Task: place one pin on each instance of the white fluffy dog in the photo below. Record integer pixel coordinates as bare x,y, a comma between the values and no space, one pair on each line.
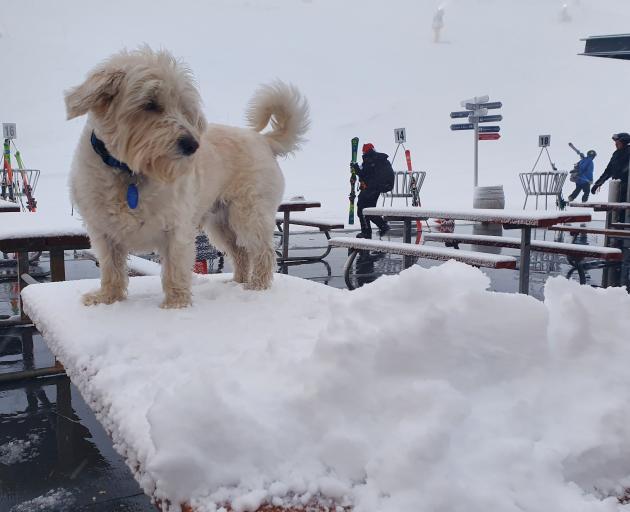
148,171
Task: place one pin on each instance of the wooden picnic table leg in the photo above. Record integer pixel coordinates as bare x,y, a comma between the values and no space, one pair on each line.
57,265
407,240
22,268
285,242
526,245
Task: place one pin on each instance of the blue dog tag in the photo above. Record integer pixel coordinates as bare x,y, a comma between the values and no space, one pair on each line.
132,196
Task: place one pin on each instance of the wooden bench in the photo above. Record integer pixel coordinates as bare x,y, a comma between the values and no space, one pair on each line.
575,253
610,233
477,259
324,226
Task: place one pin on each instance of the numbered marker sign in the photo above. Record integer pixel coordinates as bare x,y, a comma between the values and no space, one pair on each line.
400,135
9,131
544,141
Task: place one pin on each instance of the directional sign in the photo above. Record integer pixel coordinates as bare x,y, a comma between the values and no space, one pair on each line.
474,101
489,129
494,104
491,119
461,113
489,136
463,126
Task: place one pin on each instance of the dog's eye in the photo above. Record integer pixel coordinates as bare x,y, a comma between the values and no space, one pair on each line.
152,106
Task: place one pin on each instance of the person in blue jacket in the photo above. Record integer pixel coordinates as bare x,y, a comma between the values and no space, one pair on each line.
584,177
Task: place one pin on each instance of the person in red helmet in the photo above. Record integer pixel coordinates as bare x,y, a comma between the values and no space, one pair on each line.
375,177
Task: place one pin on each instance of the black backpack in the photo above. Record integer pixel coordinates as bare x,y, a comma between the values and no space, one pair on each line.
388,177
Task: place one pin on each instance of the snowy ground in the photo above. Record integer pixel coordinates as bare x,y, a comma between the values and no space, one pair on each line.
422,391
366,66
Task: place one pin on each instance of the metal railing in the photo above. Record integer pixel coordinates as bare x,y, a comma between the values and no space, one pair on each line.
542,184
402,186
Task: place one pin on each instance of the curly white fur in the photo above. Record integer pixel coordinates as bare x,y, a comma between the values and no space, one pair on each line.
142,104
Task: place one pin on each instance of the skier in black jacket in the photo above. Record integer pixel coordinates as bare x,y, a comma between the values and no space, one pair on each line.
617,168
375,176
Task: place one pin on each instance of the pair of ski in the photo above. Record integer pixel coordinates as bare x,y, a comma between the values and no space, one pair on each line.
413,186
7,177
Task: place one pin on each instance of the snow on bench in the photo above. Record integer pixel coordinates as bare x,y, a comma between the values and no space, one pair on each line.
584,251
38,225
9,206
477,259
307,220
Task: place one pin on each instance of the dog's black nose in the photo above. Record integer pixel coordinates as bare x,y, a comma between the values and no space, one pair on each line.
187,145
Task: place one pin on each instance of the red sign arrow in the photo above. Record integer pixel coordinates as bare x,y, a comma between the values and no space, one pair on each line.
489,136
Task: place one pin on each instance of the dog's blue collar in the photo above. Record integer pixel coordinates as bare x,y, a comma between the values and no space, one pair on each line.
106,156
132,189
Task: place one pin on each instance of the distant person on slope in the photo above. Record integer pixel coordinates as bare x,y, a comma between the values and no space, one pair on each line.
375,176
584,176
617,168
438,24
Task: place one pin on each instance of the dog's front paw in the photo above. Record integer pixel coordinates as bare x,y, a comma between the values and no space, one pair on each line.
176,301
102,297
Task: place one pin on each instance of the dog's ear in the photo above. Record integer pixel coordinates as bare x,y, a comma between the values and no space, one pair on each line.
95,93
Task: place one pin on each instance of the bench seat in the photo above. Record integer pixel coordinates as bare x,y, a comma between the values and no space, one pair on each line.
306,220
477,259
574,230
575,253
584,251
324,226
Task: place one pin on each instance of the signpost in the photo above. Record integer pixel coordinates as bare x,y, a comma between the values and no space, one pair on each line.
476,111
400,135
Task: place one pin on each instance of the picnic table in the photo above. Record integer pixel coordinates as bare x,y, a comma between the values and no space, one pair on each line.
286,207
8,206
510,219
603,206
21,233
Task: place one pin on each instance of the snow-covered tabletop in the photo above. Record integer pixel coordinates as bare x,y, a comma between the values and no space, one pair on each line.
31,225
517,217
419,392
8,206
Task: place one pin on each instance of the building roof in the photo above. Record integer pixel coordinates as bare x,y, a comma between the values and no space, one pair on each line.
612,46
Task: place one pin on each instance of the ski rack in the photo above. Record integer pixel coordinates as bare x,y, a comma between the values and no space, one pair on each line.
403,182
545,184
17,185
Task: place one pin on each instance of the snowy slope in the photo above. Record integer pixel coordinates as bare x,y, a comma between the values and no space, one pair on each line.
366,66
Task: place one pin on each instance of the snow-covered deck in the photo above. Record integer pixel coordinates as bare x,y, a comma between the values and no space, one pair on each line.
421,391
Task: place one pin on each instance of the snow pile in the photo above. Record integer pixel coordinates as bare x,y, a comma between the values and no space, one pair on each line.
56,500
19,450
422,391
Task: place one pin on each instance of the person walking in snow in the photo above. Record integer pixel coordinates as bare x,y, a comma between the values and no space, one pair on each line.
617,168
438,24
375,176
584,176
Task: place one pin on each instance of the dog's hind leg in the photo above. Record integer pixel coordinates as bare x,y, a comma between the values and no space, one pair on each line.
112,260
255,238
177,256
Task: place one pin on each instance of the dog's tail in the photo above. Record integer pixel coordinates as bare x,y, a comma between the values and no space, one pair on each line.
288,112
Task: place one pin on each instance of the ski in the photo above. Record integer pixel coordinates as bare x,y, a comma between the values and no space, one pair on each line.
8,172
31,203
354,143
576,150
413,188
